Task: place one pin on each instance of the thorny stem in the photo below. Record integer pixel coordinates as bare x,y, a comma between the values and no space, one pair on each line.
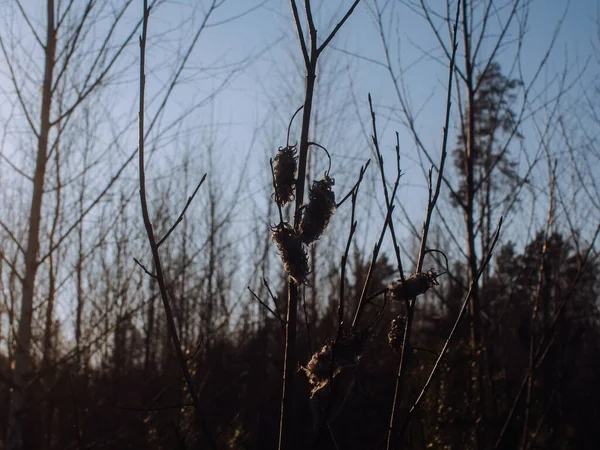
154,245
432,200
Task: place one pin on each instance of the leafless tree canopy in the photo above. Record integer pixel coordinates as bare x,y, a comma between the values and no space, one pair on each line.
304,225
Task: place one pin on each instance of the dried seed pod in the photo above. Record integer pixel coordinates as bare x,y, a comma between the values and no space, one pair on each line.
416,284
332,358
396,334
284,171
291,250
316,215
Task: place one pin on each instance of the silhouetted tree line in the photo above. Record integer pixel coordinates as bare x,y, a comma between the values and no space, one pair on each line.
136,401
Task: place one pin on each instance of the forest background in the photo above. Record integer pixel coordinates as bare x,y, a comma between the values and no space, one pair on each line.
479,144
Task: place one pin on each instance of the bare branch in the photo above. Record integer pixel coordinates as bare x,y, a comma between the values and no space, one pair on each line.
460,315
298,23
268,308
180,218
13,78
143,267
338,26
154,247
433,200
29,24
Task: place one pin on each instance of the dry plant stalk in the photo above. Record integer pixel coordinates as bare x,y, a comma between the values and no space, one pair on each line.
284,171
311,50
412,286
332,358
320,208
396,333
292,253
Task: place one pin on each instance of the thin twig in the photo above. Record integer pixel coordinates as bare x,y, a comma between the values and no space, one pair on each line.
143,267
347,196
388,201
180,218
265,282
534,310
154,247
431,204
386,223
338,26
455,326
328,155
376,248
195,352
287,141
353,225
432,200
267,307
298,23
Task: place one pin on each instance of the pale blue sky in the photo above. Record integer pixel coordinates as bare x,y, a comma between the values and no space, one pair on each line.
259,99
247,121
268,91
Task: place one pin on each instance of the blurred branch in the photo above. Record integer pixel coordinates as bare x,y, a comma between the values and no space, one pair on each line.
268,308
154,246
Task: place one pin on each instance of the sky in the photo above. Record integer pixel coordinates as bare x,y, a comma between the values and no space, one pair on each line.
252,48
270,87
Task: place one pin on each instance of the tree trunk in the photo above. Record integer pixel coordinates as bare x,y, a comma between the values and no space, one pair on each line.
474,302
22,357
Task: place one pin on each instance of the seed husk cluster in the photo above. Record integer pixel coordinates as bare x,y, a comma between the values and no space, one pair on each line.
291,251
414,285
334,357
320,208
284,170
396,333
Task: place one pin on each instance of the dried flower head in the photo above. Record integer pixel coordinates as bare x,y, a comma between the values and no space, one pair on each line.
396,334
316,215
291,250
332,358
415,284
284,171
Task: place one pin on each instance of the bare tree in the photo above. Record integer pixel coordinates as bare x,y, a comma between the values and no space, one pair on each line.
85,52
492,108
